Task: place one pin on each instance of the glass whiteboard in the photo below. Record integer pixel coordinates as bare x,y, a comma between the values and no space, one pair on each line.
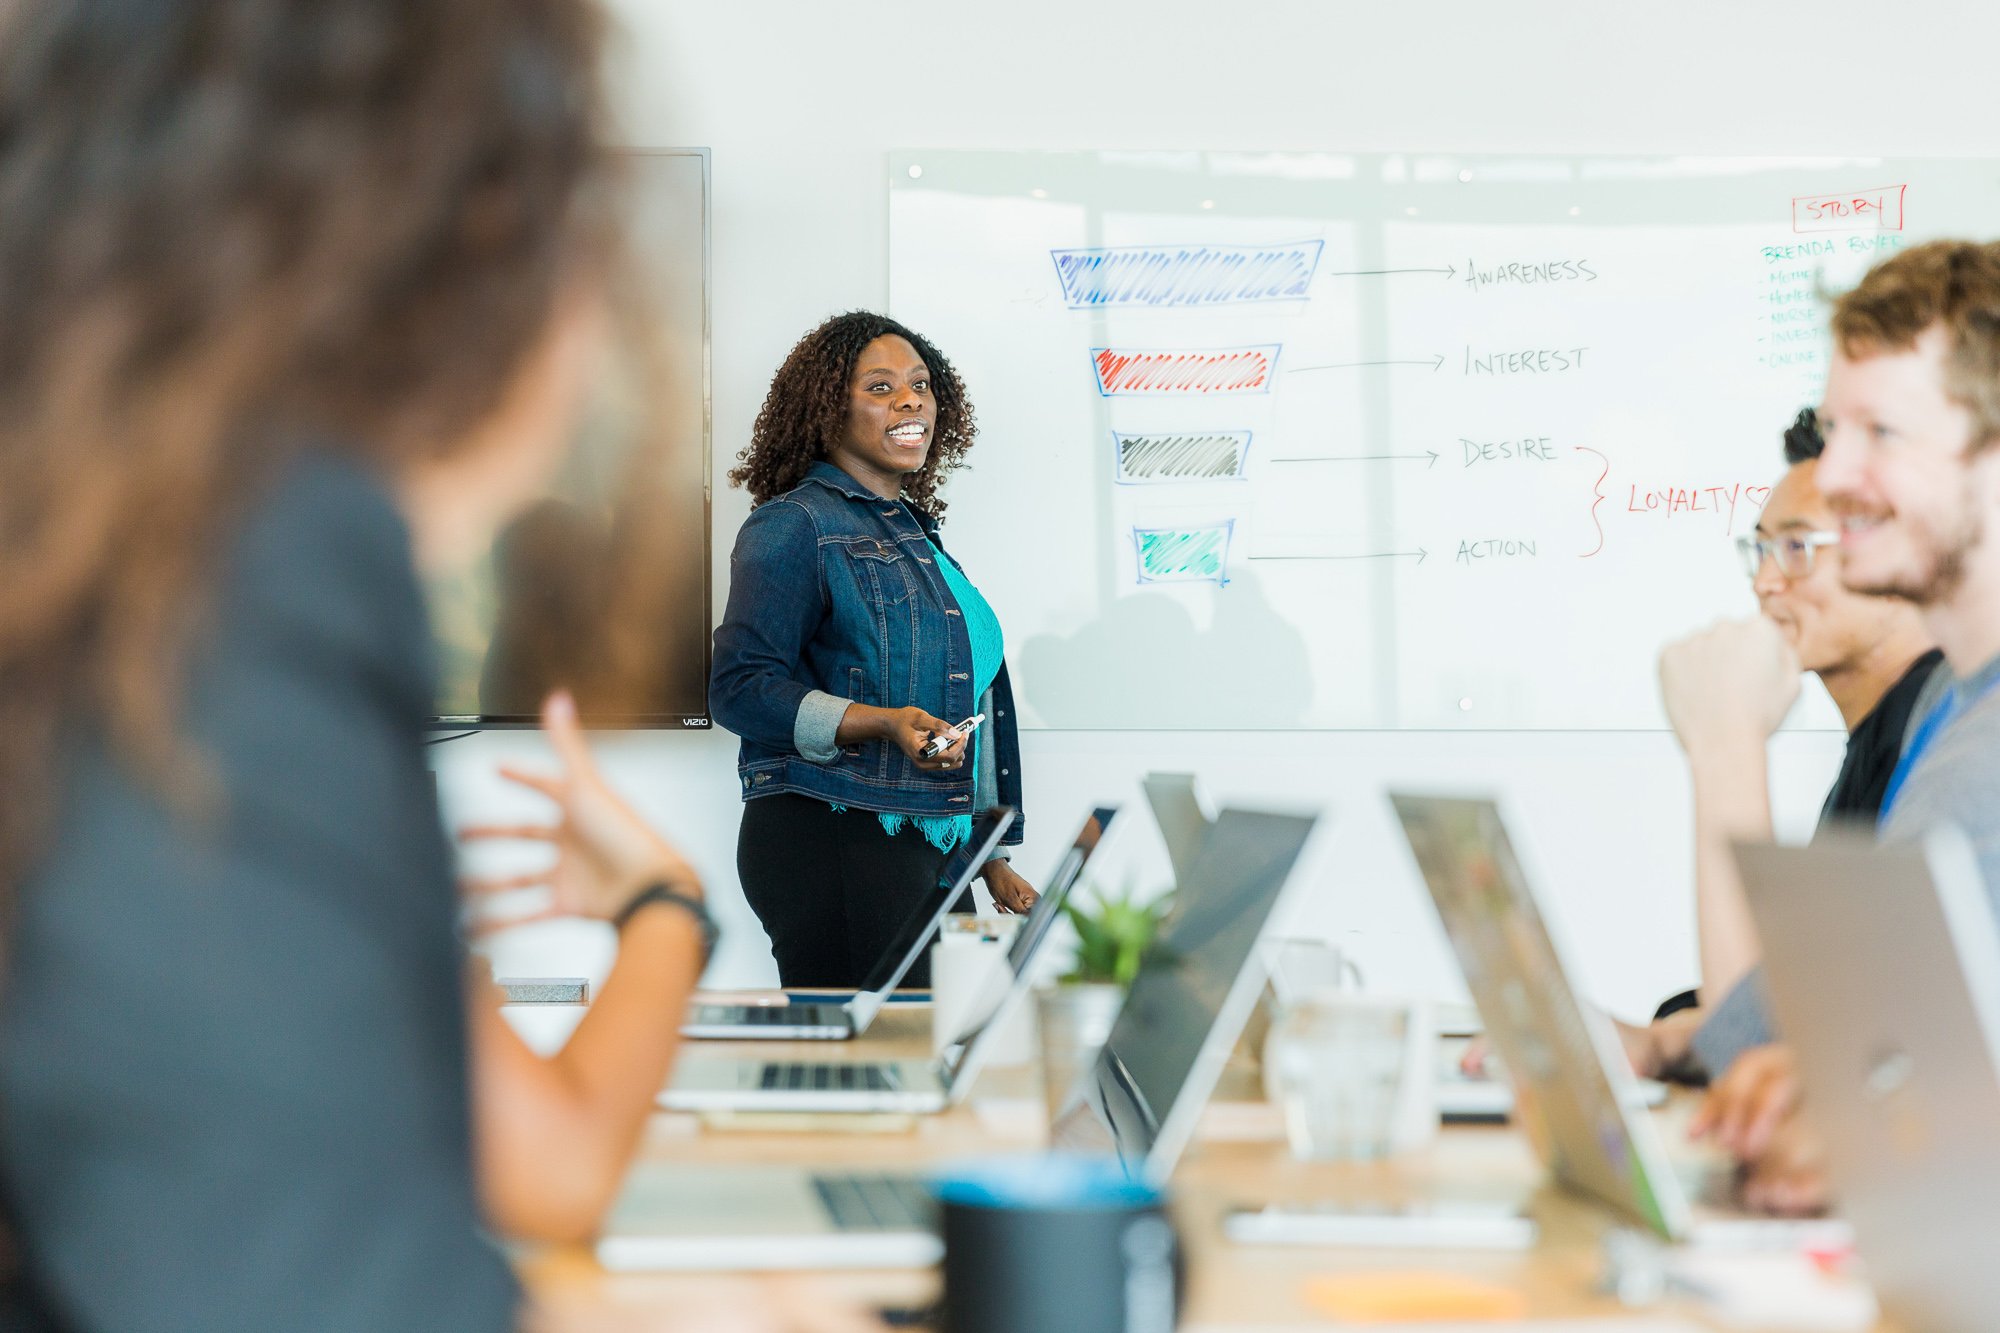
1290,440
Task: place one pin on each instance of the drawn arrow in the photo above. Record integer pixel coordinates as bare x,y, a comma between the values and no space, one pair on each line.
1433,363
1419,553
1449,273
1431,454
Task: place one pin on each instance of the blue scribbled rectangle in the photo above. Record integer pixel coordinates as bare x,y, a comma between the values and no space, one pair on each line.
1179,277
1193,554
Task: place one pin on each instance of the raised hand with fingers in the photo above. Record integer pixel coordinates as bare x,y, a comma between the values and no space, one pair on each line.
555,1133
605,854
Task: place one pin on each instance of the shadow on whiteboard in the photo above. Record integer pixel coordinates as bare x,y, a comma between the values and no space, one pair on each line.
1144,664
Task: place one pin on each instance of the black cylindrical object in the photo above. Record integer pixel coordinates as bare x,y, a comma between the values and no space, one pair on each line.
1081,1250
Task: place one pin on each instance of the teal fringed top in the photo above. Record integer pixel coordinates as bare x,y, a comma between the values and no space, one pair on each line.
945,832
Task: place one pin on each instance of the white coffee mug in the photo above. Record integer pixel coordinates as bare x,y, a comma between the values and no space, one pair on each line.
969,978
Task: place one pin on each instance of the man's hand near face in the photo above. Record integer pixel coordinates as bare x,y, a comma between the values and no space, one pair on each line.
1729,686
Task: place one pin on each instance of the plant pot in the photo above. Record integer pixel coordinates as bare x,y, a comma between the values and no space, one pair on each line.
1073,1020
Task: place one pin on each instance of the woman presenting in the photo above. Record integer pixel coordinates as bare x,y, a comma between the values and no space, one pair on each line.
850,641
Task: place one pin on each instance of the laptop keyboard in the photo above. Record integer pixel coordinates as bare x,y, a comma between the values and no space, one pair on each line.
876,1203
828,1078
773,1015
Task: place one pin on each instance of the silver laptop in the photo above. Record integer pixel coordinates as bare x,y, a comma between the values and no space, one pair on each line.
1187,1005
1571,1080
712,1083
1173,1039
796,1021
1184,815
1883,966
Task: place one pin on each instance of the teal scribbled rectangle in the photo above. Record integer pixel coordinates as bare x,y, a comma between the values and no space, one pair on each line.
1184,555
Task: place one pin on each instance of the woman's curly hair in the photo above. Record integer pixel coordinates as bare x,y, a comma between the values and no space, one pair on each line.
805,413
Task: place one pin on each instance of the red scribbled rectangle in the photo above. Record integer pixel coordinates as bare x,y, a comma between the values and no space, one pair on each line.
1195,372
1878,209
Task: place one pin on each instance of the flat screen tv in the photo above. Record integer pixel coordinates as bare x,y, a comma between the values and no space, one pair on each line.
603,586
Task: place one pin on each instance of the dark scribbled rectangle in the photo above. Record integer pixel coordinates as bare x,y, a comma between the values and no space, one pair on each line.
1219,455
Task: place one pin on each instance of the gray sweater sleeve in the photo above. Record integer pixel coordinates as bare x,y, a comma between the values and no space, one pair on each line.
817,725
1741,1021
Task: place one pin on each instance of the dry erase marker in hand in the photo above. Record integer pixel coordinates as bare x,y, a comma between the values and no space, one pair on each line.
936,745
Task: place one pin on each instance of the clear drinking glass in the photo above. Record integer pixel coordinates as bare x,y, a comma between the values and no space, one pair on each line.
1335,1064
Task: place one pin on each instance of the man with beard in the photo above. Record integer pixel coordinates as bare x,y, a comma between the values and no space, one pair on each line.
1911,470
1727,689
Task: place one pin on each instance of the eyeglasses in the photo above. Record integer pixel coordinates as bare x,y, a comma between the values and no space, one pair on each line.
1793,552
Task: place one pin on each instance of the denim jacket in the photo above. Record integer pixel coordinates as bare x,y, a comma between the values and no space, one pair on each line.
835,598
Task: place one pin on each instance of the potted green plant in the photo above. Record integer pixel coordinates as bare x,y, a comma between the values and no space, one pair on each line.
1075,1015
1111,936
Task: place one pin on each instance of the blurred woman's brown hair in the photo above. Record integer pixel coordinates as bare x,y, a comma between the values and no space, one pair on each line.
229,227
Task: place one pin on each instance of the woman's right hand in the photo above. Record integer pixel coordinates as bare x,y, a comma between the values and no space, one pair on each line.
908,729
605,853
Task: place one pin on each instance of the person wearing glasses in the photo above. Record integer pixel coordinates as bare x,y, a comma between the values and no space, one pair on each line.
1729,687
1912,470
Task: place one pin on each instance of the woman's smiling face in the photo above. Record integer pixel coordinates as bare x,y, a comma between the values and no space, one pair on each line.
891,416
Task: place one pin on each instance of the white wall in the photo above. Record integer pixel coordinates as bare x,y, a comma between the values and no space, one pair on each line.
801,102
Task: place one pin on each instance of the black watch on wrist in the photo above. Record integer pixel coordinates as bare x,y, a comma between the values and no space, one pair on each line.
663,892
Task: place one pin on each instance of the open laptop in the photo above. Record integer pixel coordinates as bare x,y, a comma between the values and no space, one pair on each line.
798,1021
1170,1043
709,1083
1883,966
1583,1107
1196,985
1184,815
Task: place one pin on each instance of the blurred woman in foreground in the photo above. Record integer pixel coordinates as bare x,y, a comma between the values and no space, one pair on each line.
298,300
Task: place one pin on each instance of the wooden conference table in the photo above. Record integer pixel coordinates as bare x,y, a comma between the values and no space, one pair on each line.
1238,1157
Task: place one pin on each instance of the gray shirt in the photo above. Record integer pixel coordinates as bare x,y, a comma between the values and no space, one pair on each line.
233,1089
1956,780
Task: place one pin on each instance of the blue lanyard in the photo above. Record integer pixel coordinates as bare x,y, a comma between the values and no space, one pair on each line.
1942,714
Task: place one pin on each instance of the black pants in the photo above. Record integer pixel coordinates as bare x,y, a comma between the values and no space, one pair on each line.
833,890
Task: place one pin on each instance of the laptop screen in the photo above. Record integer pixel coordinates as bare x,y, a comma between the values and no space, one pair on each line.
1049,906
1183,817
1194,989
1028,939
1568,1073
922,923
